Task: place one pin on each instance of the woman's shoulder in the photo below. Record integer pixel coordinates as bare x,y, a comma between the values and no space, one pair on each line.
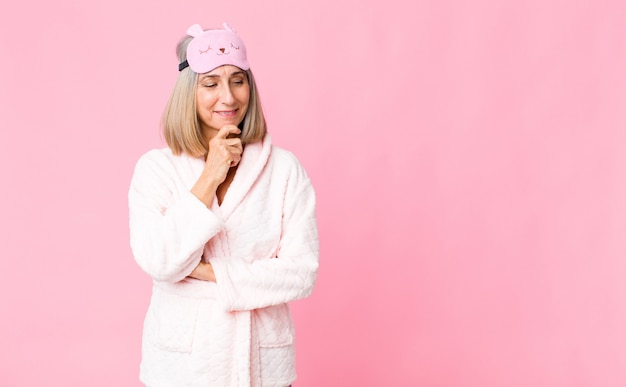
163,160
162,155
156,154
284,156
286,161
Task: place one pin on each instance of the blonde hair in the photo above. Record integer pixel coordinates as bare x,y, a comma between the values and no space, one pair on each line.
181,127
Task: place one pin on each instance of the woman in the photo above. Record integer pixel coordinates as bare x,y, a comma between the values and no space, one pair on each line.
224,223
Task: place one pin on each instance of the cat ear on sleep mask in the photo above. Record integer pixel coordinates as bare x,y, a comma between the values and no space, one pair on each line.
214,48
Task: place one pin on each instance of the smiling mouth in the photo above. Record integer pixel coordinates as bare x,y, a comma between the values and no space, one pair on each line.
227,113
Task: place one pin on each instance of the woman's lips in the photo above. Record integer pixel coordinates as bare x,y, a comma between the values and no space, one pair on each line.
227,113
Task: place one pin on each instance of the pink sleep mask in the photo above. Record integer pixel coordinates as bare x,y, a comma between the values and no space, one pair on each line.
213,48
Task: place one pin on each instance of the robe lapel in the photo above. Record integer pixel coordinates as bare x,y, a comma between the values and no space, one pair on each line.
253,161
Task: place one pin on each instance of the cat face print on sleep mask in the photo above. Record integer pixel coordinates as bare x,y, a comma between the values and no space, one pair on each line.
213,48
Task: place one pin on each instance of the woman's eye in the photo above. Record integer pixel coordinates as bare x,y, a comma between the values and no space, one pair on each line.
210,84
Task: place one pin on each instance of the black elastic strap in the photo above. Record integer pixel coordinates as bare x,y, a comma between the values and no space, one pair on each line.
183,65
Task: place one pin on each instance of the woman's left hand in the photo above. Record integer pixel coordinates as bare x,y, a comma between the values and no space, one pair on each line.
204,271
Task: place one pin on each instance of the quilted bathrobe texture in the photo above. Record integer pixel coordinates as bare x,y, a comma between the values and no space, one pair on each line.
262,242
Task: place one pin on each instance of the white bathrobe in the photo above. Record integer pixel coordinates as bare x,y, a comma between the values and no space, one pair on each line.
263,245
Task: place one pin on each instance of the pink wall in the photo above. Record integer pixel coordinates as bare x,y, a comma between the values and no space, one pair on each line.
470,162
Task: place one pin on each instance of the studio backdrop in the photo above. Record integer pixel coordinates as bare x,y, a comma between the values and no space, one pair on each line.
469,160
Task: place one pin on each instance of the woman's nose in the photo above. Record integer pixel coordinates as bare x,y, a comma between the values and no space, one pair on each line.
227,95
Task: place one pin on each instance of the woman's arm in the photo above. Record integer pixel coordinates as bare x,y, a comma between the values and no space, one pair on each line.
224,154
167,237
247,285
167,233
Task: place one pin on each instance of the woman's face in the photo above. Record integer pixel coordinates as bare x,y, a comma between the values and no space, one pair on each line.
222,98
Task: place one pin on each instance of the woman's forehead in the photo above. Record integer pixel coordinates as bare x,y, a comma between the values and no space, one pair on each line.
225,70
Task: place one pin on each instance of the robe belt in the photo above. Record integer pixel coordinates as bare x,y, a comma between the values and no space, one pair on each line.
242,348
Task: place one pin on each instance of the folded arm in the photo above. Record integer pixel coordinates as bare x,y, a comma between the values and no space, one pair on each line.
245,285
167,234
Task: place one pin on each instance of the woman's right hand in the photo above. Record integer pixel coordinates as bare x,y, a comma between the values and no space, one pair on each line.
224,153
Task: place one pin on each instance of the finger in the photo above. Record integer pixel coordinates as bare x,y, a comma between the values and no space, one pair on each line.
235,132
236,147
235,154
235,141
234,163
227,130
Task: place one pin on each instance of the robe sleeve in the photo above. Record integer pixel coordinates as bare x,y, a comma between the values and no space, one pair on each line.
245,285
167,234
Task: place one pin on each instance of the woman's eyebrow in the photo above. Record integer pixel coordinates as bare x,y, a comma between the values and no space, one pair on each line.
240,72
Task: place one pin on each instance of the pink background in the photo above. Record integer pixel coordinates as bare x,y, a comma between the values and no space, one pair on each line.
469,159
